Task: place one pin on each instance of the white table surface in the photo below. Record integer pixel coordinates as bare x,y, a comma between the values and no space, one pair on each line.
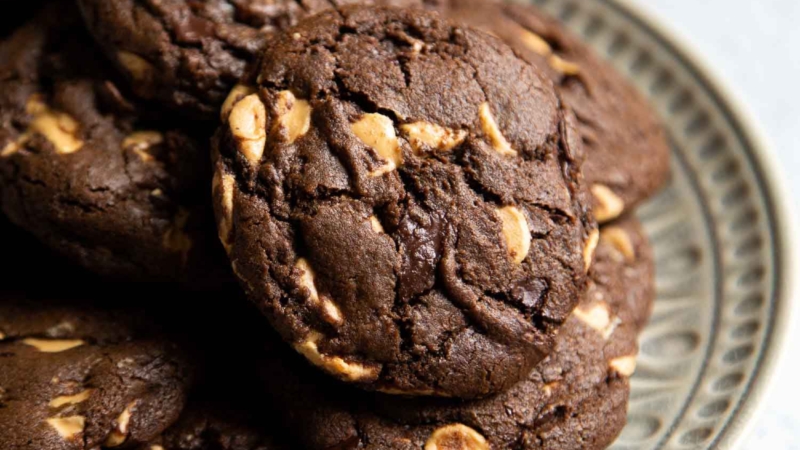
755,47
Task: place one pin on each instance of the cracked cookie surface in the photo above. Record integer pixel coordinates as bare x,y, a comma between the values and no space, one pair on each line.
113,185
401,197
73,377
627,151
574,399
189,54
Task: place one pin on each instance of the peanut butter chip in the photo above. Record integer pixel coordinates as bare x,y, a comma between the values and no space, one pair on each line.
516,233
493,133
377,132
156,447
2,335
599,318
176,239
70,399
424,136
248,124
589,249
333,364
58,127
608,206
535,43
330,312
53,345
564,66
294,117
456,437
141,141
238,92
67,427
376,225
15,146
137,67
620,240
625,365
119,435
35,105
223,185
538,45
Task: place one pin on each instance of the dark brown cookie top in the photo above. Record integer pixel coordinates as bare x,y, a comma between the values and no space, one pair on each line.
108,182
626,146
402,198
574,399
189,54
74,377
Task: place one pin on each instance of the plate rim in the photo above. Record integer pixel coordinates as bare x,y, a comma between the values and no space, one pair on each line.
781,211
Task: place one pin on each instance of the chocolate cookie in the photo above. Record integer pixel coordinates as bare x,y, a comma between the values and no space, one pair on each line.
74,377
626,146
213,426
575,399
618,273
401,196
189,54
110,183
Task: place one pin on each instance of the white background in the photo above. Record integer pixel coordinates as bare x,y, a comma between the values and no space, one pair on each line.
754,46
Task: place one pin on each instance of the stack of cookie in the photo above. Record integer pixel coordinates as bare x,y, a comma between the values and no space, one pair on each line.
244,224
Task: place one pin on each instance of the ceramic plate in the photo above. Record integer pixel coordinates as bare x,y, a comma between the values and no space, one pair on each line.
720,239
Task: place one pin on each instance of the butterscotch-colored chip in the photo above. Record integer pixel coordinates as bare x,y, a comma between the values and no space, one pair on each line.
53,345
223,185
565,67
376,224
15,145
624,365
68,427
377,132
492,131
333,364
535,42
70,399
620,240
119,434
424,136
599,318
516,233
140,141
589,248
139,68
60,129
238,92
330,312
248,124
35,105
293,117
456,437
608,206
